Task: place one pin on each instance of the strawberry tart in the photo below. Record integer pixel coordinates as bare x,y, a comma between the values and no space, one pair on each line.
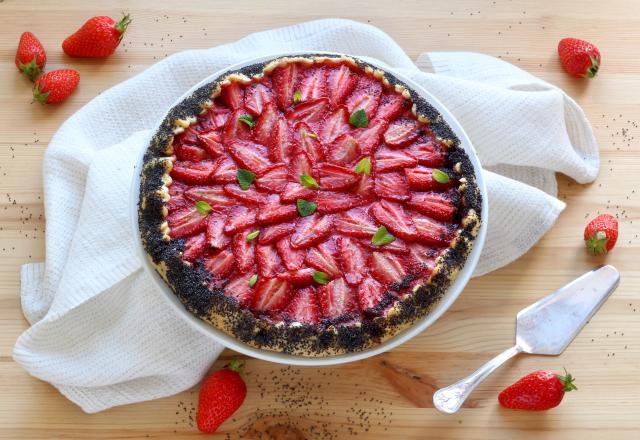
312,205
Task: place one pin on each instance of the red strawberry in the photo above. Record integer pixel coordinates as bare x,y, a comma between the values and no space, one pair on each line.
30,56
300,164
300,278
275,212
308,142
235,129
269,264
98,37
193,172
392,186
291,258
247,196
421,179
578,57
221,394
353,259
55,86
427,152
392,160
189,152
343,150
215,118
224,170
387,268
334,177
213,195
537,391
324,258
356,223
280,141
311,230
239,289
212,142
314,84
239,218
335,125
271,294
397,246
219,263
294,191
188,136
194,247
365,188
310,111
394,217
366,96
391,106
256,98
601,234
303,307
369,138
370,293
273,233
336,299
285,80
216,237
233,95
186,222
273,178
244,252
401,132
265,124
341,83
176,193
432,231
422,258
249,155
440,206
330,202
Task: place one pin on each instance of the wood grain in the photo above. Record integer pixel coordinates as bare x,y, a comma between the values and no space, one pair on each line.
389,395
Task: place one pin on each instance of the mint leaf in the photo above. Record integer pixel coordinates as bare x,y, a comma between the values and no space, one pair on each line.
253,280
245,178
440,176
247,119
305,208
321,277
252,235
359,119
382,237
364,166
308,182
297,96
203,207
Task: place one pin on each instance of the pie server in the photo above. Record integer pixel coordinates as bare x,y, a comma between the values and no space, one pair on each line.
545,327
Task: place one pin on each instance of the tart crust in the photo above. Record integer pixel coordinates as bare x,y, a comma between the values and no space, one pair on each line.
190,283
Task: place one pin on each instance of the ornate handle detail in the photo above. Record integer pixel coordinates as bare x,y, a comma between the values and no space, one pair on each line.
450,399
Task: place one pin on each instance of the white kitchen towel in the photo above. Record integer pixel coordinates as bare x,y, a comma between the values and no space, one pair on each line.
99,331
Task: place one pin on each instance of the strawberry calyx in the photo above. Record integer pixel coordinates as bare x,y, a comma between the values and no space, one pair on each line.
39,95
597,244
121,26
567,382
31,70
235,365
593,69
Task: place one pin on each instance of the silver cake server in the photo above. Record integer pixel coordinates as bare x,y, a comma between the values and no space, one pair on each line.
545,327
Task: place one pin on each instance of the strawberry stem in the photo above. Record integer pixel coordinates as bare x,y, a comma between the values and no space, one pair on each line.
597,244
567,382
39,95
31,70
121,26
593,69
235,365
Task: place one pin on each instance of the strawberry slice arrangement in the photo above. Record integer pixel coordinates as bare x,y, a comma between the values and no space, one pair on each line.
313,196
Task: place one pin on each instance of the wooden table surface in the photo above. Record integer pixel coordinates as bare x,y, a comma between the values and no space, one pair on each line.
388,395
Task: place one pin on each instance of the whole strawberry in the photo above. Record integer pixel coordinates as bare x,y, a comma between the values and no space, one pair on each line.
221,395
600,234
30,56
98,37
55,86
579,57
538,391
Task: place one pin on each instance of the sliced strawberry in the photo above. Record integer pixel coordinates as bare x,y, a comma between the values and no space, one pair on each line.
432,231
235,129
392,186
233,95
341,82
275,212
330,202
212,142
239,289
334,177
294,191
248,196
439,206
369,138
193,172
303,307
219,263
370,293
311,230
353,259
194,247
310,111
300,165
401,132
215,118
336,299
366,96
178,201
324,258
393,216
335,125
285,80
187,221
291,258
365,188
273,233
239,219
356,223
256,98
343,150
392,160
273,178
249,155
387,268
269,264
280,141
216,238
391,106
266,123
271,294
397,246
421,178
188,152
301,277
427,152
422,258
225,170
313,84
213,195
188,136
177,188
244,252
308,142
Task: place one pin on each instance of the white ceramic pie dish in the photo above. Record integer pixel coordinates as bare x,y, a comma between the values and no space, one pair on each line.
419,326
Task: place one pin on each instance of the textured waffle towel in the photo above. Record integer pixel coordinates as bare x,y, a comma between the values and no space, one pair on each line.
103,336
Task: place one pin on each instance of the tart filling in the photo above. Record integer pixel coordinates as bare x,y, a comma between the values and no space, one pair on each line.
313,205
